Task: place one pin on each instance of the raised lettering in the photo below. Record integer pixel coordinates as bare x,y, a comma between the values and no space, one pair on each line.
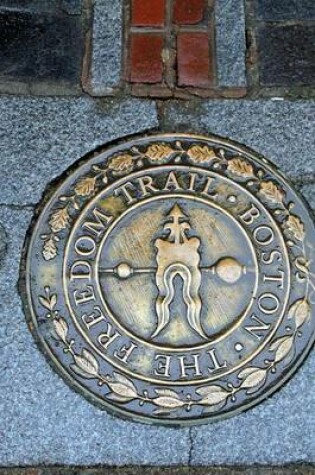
93,319
172,183
216,365
146,185
263,302
275,278
193,366
269,258
124,353
256,329
83,296
85,246
250,215
80,270
192,181
206,190
263,235
99,225
106,339
163,367
125,193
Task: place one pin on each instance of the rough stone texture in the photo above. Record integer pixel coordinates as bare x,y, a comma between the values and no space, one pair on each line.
308,191
40,49
301,469
3,245
278,431
72,7
42,421
40,138
106,58
281,130
285,9
230,43
286,55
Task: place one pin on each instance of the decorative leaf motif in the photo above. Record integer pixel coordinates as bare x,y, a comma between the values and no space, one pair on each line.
300,311
123,388
121,164
271,192
167,392
87,363
77,370
49,249
59,220
61,328
241,168
118,398
282,346
212,395
48,302
92,360
85,186
253,378
119,378
295,227
159,152
168,399
53,301
199,154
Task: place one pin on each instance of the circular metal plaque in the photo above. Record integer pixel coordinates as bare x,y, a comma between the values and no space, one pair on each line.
170,278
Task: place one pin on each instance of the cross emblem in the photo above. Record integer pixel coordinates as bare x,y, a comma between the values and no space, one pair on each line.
178,255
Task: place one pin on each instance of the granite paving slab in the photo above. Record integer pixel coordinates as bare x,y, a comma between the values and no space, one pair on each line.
106,57
40,138
230,43
281,130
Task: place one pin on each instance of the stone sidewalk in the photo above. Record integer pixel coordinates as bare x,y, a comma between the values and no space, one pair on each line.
288,470
42,421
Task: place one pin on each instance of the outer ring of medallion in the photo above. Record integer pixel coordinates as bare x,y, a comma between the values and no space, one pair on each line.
292,224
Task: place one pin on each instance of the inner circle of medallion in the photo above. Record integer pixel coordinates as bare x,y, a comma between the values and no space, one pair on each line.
178,199
142,203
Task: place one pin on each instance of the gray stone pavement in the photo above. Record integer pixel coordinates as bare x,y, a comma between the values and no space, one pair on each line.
230,43
42,421
106,61
281,130
40,138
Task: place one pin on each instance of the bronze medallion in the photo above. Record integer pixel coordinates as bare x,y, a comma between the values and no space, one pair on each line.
170,278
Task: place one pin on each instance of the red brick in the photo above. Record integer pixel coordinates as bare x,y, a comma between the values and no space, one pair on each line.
146,64
148,12
194,59
188,12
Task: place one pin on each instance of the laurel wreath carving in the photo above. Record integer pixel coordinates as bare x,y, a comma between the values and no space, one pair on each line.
211,398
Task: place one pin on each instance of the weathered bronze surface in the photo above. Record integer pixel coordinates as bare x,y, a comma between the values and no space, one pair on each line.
170,279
